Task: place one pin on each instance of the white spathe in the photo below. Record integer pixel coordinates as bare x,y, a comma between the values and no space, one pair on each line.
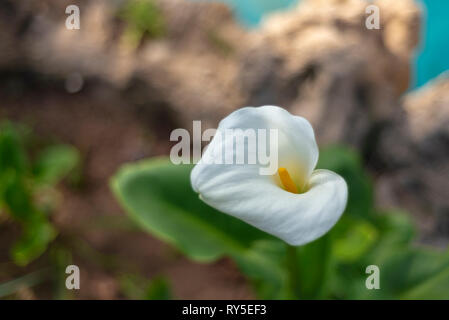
262,200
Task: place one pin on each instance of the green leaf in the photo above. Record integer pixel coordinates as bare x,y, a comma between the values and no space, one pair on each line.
16,196
395,226
159,197
346,162
265,265
432,277
33,242
12,153
314,263
354,237
406,273
54,163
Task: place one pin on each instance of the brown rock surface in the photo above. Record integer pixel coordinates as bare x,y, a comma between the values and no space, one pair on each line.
320,61
414,150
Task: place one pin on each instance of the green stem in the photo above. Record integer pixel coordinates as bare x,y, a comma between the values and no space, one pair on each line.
29,280
293,271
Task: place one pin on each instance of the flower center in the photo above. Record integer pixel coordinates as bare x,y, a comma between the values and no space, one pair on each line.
287,181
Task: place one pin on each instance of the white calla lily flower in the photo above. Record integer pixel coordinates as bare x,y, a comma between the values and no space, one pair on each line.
296,204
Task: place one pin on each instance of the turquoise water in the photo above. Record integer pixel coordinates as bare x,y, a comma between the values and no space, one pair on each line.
432,58
250,12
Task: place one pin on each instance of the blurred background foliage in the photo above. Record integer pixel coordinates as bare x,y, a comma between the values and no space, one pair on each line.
142,18
27,191
158,196
30,170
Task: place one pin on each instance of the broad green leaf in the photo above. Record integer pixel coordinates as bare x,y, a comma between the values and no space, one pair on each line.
54,163
159,197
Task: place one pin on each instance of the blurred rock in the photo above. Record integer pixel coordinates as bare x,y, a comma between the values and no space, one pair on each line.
195,65
414,151
191,69
320,61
